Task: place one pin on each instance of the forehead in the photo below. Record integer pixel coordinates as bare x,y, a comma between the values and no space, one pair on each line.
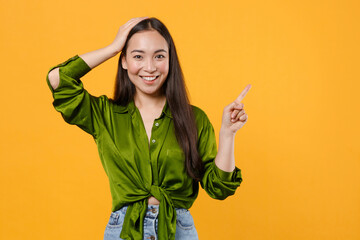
148,41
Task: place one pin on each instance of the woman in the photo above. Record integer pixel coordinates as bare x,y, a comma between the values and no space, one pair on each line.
154,146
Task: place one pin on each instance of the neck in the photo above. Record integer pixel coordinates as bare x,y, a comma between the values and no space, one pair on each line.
148,102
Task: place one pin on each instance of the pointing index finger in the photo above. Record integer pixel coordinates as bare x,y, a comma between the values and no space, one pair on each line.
243,93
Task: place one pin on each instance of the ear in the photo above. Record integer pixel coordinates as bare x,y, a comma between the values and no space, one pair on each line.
123,62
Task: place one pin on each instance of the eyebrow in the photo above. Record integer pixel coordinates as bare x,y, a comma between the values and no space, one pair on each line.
141,51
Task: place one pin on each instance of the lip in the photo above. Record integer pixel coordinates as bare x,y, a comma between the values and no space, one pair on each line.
150,82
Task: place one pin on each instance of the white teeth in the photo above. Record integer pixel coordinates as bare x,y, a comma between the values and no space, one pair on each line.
148,78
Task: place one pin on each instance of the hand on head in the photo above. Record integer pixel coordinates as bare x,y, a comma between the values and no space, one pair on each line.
123,32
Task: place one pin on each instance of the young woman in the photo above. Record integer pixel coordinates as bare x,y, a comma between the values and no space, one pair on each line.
155,147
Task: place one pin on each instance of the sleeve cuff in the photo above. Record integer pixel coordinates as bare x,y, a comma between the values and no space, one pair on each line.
223,175
75,67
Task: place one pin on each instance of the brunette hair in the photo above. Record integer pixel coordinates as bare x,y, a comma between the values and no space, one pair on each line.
176,95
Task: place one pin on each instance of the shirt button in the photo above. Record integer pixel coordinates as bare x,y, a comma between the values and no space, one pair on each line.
156,124
153,141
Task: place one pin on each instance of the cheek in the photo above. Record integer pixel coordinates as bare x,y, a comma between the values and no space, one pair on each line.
163,67
134,67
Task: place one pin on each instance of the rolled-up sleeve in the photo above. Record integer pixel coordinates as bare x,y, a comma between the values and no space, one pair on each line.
217,183
75,104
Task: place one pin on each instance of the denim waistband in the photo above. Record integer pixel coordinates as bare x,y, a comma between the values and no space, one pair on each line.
150,211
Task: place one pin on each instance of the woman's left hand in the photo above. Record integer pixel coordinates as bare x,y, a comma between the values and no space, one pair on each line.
234,116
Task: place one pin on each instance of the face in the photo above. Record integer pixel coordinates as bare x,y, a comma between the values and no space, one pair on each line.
147,62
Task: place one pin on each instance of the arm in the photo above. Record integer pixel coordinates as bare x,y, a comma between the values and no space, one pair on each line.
72,100
225,159
234,118
76,105
92,59
218,183
222,177
96,57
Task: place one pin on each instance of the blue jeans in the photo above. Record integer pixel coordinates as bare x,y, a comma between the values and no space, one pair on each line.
185,227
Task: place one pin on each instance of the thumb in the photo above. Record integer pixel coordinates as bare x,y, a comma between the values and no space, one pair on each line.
229,107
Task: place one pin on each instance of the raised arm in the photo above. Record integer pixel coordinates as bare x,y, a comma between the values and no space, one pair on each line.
96,57
234,118
76,105
222,177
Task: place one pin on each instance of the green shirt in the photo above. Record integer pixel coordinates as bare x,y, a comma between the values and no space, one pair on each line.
136,168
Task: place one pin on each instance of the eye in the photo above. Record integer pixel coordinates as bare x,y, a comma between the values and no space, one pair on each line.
160,56
137,56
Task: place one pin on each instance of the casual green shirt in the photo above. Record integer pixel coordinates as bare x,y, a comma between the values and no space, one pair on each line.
137,168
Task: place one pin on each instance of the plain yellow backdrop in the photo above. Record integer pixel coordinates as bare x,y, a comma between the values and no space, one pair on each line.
298,152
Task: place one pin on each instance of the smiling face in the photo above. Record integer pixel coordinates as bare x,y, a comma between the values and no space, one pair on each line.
147,62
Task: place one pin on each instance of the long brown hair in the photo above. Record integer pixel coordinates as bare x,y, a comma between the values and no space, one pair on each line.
176,95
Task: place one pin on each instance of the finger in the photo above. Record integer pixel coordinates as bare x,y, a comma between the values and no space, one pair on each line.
134,21
239,124
234,113
237,117
237,106
236,109
243,93
139,19
233,109
241,113
131,23
243,118
233,106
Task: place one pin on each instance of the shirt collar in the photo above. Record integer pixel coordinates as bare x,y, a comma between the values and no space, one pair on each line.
131,109
166,110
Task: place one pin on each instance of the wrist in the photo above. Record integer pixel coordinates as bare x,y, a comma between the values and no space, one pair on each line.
113,50
225,133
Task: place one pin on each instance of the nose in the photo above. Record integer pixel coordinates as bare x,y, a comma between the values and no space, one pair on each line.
150,66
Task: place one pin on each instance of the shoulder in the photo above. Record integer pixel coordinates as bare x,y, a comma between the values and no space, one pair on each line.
198,112
116,107
101,101
200,116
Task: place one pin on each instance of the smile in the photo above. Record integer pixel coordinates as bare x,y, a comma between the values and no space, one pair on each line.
149,78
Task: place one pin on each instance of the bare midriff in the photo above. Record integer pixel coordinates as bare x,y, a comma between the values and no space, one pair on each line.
153,201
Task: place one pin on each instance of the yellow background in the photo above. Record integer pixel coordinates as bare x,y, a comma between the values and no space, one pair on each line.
298,152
